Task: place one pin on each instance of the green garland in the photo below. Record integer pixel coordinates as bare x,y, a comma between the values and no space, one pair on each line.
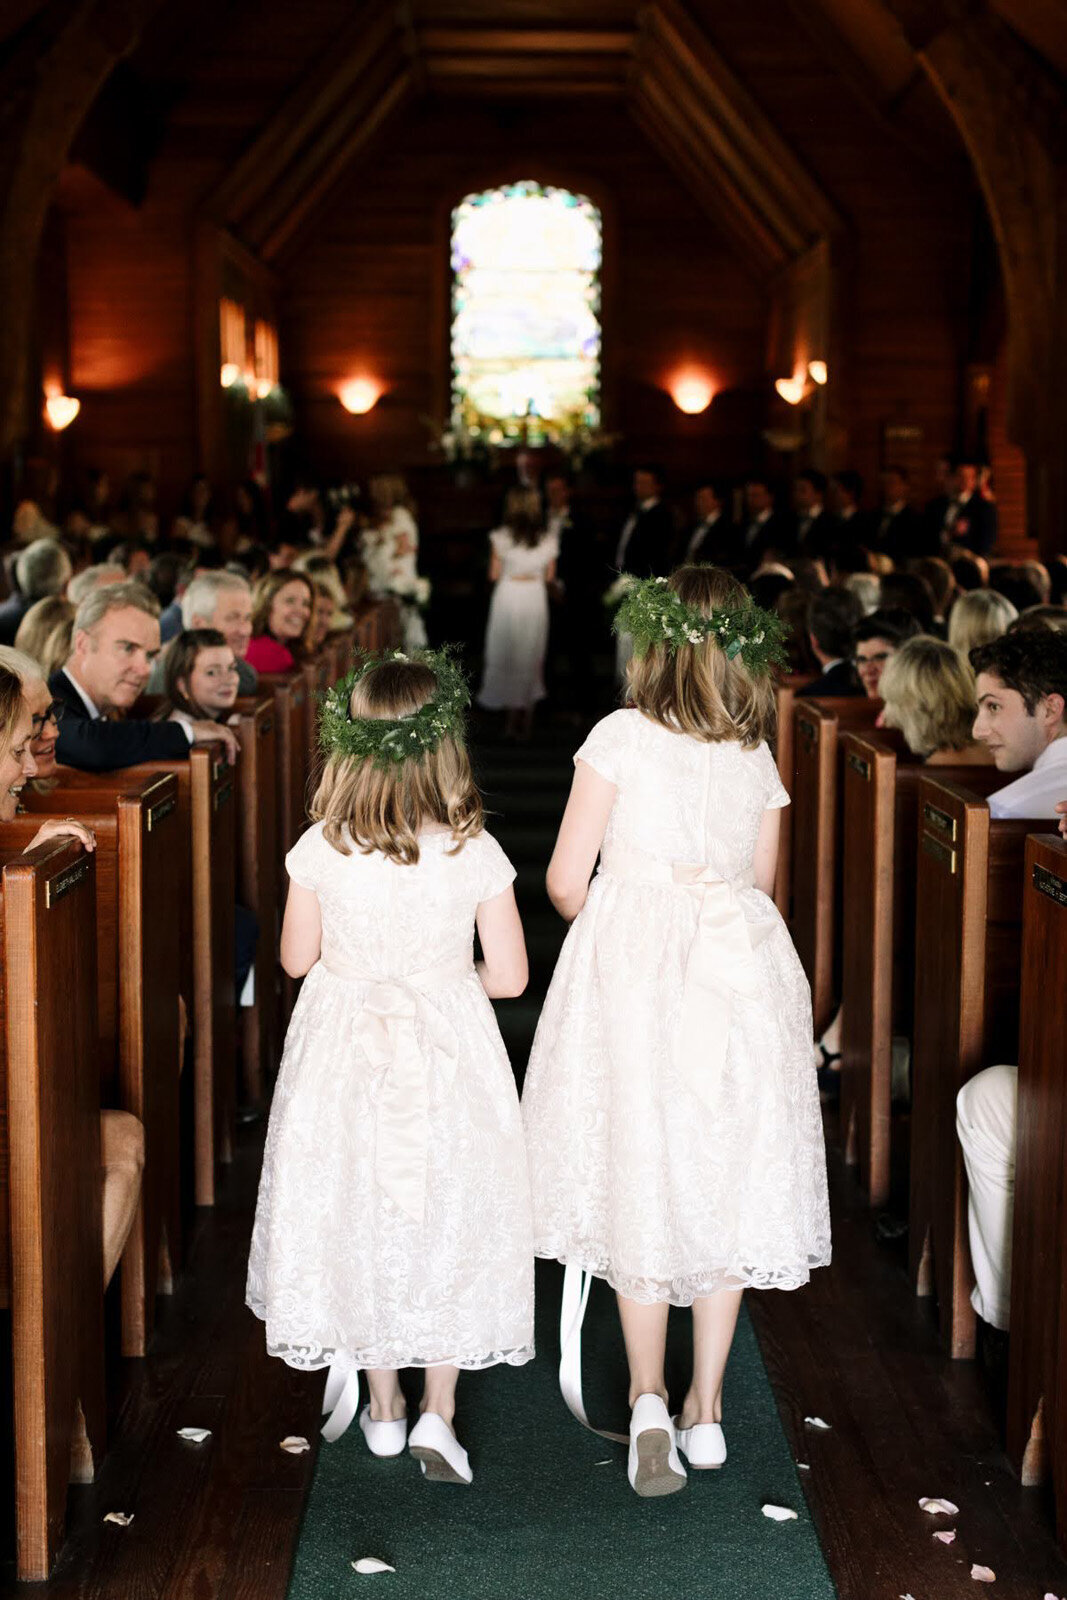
651,613
389,743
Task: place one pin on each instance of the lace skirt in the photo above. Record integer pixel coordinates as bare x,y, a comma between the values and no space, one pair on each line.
336,1267
635,1176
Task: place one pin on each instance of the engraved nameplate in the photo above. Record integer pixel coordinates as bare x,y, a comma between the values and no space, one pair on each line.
935,818
939,851
157,812
64,882
265,726
298,697
858,764
223,793
1051,884
806,729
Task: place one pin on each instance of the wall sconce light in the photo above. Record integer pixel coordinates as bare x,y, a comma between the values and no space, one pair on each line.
229,374
359,395
264,386
790,389
817,372
692,393
61,409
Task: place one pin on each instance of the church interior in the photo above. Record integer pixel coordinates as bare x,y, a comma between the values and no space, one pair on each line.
358,327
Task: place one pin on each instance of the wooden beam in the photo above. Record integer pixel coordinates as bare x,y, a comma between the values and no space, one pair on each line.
515,41
508,70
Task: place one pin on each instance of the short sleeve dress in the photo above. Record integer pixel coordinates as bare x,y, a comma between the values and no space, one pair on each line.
671,1106
393,1223
516,636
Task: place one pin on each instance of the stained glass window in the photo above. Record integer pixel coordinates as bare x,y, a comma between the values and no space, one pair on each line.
525,312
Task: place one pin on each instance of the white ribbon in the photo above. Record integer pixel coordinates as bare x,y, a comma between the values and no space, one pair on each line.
576,1286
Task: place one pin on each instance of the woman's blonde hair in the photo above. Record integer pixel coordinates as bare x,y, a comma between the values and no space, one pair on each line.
978,617
10,707
929,694
385,808
695,689
263,596
45,632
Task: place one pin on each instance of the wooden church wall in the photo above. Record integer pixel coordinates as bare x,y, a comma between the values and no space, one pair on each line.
367,292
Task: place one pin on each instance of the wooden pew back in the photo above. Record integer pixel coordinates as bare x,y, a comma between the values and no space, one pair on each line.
290,704
51,1183
816,837
1037,1359
968,915
257,882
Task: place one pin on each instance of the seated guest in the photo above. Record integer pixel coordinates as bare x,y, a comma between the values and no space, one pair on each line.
937,575
815,527
321,616
83,583
41,570
1057,578
45,632
908,592
163,578
1022,697
971,517
854,528
929,694
194,522
834,614
45,713
794,607
969,571
199,678
116,639
1054,617
1016,582
221,600
977,617
874,641
901,531
18,766
714,538
36,498
282,607
325,574
867,585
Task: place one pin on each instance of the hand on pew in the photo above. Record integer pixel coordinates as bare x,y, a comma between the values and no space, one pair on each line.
208,732
1062,812
58,827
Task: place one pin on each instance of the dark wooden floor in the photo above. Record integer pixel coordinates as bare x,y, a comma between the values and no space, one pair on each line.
221,1519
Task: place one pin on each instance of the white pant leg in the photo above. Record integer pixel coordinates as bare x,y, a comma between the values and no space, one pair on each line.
985,1123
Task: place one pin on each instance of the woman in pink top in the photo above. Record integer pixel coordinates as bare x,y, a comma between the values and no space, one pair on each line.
282,606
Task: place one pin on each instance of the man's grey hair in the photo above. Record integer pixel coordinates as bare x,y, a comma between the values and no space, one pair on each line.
42,569
23,666
113,597
81,587
203,595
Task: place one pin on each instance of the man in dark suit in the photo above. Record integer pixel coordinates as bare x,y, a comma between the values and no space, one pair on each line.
766,534
816,529
714,537
576,609
834,614
971,520
43,568
902,533
646,544
116,639
938,507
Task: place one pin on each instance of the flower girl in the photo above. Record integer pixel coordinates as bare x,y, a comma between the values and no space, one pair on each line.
521,566
671,1107
393,1224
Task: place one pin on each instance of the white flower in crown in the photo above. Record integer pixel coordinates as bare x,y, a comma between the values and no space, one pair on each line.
694,637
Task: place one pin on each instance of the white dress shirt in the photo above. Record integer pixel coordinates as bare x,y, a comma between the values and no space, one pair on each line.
628,531
1037,792
95,714
700,534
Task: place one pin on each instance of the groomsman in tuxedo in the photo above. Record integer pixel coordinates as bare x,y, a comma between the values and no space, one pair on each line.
815,529
971,520
714,538
646,544
902,533
576,611
855,529
938,507
115,641
766,533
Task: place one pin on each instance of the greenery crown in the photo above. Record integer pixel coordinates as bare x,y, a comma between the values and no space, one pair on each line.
652,613
389,742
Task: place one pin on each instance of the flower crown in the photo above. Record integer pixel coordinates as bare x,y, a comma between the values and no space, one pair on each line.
390,742
652,613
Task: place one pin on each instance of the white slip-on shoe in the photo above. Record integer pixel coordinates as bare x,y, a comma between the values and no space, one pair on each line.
438,1451
703,1445
654,1466
384,1438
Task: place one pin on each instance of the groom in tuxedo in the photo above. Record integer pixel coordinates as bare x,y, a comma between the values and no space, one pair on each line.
714,538
646,544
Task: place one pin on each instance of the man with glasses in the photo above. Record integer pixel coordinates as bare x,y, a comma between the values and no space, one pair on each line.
875,639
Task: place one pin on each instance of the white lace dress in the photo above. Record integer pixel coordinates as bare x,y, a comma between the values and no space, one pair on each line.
516,636
393,1223
671,1106
391,558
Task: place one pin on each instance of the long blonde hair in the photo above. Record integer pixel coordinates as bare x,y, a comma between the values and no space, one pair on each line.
695,689
929,694
384,809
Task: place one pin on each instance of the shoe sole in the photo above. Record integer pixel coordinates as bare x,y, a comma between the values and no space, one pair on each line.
435,1467
655,1475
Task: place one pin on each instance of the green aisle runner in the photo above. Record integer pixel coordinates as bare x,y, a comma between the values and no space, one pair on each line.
550,1513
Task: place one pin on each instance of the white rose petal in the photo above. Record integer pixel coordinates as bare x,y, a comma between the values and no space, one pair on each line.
817,1422
946,1535
983,1574
779,1513
367,1564
121,1519
194,1435
938,1508
295,1444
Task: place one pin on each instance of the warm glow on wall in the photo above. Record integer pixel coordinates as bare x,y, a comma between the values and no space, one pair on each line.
360,395
790,389
61,409
229,374
692,392
817,372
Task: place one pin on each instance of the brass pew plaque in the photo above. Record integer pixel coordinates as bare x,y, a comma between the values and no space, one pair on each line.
64,882
1050,883
156,813
806,729
940,852
223,793
933,817
858,764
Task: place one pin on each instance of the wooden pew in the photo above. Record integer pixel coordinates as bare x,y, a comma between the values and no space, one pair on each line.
785,696
136,818
968,922
290,705
50,1242
880,799
1037,1350
378,628
817,838
258,883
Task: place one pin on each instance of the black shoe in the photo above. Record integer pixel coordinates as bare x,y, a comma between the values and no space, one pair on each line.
829,1076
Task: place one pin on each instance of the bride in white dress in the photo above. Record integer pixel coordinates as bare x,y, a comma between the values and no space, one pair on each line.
522,565
390,552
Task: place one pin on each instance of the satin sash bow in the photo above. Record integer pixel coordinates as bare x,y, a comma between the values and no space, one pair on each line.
387,1029
721,962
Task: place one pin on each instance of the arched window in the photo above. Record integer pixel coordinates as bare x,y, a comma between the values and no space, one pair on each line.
525,312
